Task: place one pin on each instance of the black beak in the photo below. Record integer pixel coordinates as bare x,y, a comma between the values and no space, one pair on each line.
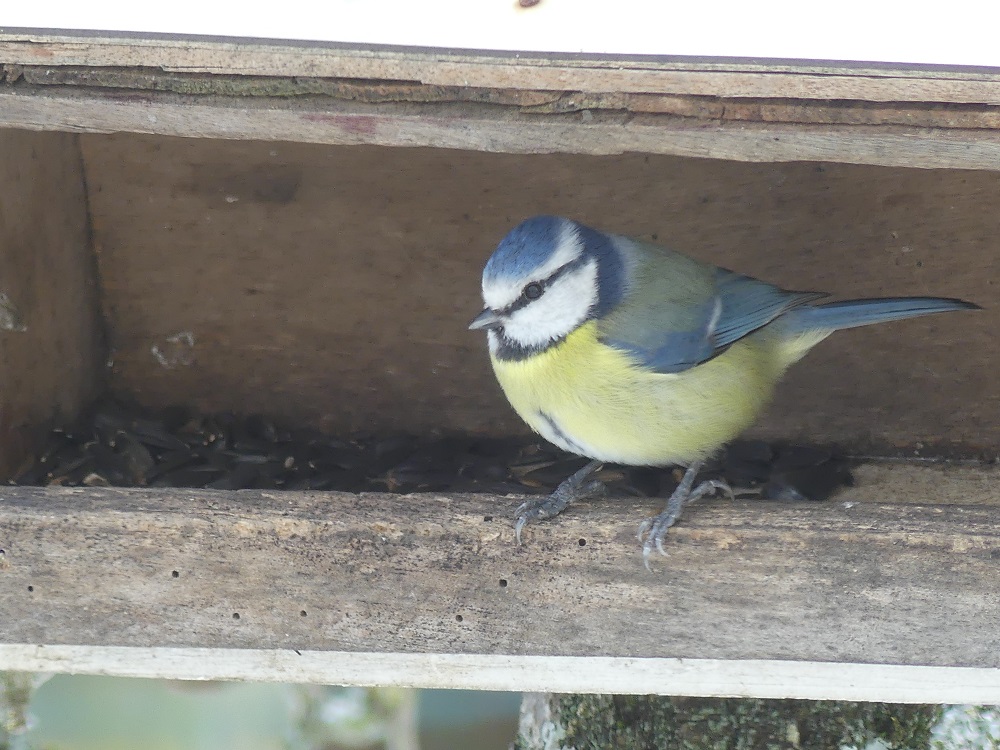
486,319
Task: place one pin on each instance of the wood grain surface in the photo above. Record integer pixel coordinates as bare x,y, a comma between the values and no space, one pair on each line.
760,131
852,581
589,73
745,110
52,368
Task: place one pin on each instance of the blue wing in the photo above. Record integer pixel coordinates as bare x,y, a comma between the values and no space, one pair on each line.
679,312
749,304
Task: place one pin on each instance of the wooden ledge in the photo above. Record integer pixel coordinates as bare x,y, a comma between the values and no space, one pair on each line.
876,600
502,128
529,70
926,117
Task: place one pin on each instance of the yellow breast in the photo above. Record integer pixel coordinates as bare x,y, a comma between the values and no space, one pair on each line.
594,400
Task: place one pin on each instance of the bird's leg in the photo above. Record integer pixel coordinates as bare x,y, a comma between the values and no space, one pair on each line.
653,530
577,487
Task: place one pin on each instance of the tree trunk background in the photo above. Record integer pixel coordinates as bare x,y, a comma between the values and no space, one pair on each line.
636,722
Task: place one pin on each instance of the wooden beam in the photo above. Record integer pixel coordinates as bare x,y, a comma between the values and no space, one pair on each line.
877,601
138,81
586,73
917,116
497,128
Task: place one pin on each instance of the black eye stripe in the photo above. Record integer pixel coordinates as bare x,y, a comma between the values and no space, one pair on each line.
523,301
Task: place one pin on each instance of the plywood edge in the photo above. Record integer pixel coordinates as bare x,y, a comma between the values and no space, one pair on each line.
723,78
496,128
620,676
135,82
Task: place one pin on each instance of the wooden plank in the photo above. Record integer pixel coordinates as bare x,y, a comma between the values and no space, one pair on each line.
497,129
852,582
906,482
585,73
349,96
51,350
138,81
756,678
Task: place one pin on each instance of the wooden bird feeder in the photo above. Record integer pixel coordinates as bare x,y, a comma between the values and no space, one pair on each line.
298,230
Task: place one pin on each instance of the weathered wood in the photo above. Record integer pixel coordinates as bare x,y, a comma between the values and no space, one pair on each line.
439,583
748,111
708,109
506,129
643,74
948,484
51,351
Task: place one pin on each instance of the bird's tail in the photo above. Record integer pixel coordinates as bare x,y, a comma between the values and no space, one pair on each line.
806,326
835,316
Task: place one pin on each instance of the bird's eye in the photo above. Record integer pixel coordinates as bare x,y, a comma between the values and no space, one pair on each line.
533,290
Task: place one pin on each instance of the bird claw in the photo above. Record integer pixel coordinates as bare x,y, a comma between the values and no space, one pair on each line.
536,510
643,528
574,488
521,521
653,531
716,484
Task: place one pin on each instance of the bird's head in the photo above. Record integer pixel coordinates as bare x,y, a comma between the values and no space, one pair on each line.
546,278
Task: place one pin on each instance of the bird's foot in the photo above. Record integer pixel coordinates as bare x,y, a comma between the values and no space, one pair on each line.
653,530
578,487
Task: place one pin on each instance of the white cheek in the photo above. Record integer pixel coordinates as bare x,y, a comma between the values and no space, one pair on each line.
559,311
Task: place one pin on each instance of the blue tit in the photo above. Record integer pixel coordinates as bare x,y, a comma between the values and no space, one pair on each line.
627,352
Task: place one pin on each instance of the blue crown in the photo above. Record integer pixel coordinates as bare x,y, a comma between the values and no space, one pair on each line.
526,246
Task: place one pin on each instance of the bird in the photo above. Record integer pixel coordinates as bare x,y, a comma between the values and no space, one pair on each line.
631,353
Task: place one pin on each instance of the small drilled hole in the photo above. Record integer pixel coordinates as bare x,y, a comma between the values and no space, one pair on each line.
582,542
174,574
458,618
302,613
31,588
487,518
503,583
236,615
